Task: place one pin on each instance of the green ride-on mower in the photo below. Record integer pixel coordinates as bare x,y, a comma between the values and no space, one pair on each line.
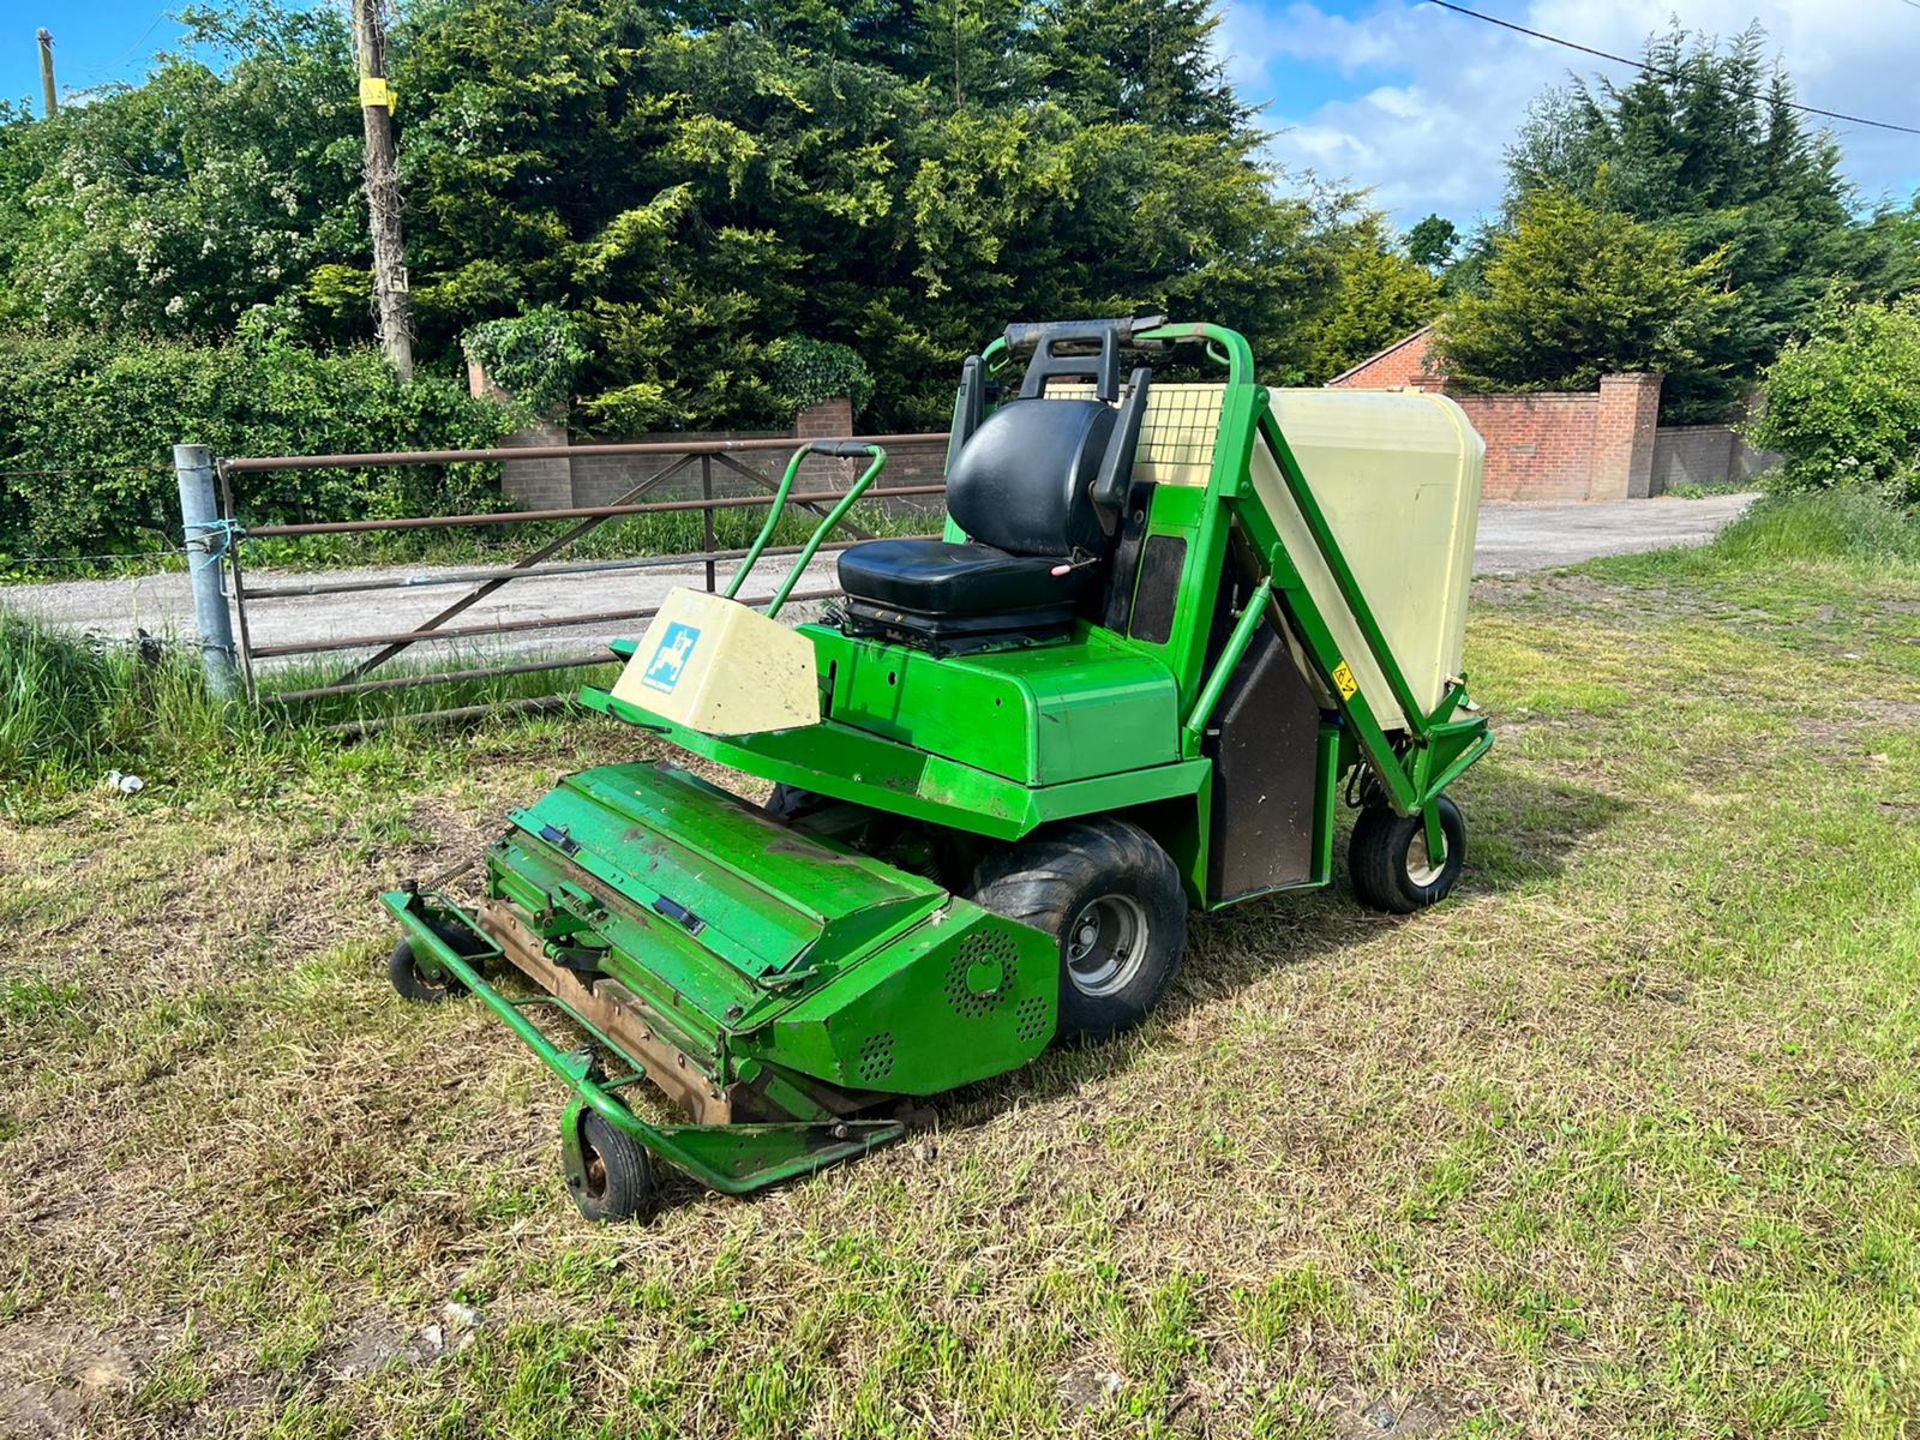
1169,624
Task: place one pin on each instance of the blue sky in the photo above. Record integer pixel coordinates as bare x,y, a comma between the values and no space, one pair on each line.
1397,95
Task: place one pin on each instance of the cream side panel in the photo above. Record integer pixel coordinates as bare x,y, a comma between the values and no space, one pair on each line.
1397,475
1272,490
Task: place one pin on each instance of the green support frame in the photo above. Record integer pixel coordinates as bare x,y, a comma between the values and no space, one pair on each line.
733,1159
1439,747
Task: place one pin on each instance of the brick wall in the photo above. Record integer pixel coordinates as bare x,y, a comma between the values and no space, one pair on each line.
1593,445
829,420
537,484
1539,447
585,480
1596,445
604,479
1705,455
1623,436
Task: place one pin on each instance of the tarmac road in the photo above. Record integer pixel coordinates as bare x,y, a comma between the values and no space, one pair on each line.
1512,539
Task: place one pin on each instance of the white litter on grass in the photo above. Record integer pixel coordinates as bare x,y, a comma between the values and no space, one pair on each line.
125,784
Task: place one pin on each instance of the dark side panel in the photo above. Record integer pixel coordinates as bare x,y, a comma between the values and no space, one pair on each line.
1266,776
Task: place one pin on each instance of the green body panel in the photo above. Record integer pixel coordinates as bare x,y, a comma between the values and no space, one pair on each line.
675,844
732,1159
742,937
938,1001
1041,715
860,767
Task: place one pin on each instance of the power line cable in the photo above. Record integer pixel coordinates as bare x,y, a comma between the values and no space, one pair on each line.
1659,73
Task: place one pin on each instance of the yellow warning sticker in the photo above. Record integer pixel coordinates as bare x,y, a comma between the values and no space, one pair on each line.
1344,682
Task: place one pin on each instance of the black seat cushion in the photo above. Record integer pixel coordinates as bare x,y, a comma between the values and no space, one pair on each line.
932,577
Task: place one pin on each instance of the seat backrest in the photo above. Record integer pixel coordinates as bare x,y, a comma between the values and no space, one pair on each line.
1021,482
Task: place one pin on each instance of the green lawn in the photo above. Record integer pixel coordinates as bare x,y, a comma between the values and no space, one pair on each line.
1621,1141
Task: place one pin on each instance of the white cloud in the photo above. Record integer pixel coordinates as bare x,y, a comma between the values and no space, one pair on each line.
1435,97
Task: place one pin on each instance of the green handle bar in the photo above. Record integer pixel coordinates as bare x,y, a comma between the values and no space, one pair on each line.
840,449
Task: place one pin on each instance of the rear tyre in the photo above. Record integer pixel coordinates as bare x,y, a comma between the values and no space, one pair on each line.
1112,899
415,983
616,1173
1388,858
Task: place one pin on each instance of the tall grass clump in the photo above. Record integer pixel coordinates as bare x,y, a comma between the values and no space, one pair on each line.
72,708
1851,530
1847,537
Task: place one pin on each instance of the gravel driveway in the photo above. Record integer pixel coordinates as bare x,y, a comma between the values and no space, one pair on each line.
1513,538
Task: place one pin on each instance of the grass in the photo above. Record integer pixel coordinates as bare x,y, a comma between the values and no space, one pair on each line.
1621,1142
72,709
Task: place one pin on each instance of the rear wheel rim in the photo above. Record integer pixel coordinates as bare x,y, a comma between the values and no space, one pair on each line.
1421,869
1106,945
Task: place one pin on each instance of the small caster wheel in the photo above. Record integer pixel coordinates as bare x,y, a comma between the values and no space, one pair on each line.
416,984
615,1179
1388,858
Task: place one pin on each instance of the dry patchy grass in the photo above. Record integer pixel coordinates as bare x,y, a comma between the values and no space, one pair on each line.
1620,1142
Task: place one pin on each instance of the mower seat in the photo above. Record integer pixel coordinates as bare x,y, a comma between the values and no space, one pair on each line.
1022,488
962,582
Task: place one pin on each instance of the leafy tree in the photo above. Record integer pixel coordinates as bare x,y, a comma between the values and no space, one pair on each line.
693,183
1431,242
1577,289
1704,145
1843,405
1382,295
173,208
1150,62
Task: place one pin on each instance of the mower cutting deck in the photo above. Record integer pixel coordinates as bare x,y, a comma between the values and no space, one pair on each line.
1129,682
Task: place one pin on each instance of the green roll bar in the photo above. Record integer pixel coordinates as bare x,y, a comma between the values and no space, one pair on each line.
1441,748
838,449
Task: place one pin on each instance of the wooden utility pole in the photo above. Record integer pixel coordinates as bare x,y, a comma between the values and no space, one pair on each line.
391,301
46,72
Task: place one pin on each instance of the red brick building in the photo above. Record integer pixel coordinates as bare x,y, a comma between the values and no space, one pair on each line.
1593,445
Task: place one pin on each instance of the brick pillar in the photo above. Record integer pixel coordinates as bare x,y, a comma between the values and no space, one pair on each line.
829,420
1623,435
530,484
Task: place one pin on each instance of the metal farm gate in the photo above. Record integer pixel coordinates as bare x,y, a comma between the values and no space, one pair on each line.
228,603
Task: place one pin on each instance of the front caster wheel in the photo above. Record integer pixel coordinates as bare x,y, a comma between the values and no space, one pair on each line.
614,1180
415,983
1391,865
1113,899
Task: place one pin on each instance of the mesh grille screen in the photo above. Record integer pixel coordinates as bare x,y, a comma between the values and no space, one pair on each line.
1177,435
876,1057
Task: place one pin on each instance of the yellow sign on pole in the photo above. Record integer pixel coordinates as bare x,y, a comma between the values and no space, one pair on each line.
376,91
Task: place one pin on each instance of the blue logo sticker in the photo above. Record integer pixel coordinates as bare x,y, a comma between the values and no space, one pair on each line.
669,662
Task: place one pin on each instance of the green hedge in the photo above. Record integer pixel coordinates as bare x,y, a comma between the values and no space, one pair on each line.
87,428
1843,405
533,357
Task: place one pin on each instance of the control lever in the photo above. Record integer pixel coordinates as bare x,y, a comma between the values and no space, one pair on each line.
1115,476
